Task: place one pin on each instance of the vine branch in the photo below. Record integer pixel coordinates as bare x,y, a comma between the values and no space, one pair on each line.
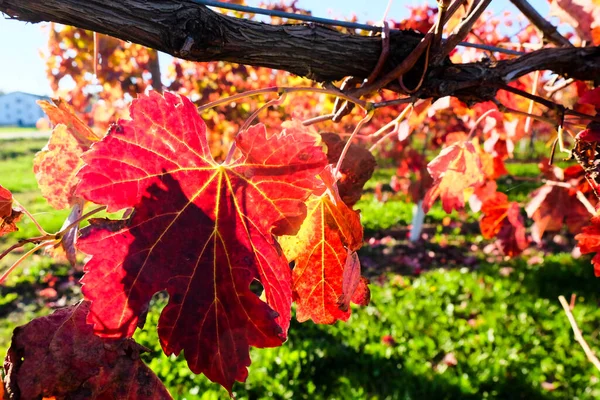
315,51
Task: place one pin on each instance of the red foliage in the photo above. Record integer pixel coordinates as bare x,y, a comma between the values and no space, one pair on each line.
201,230
502,219
454,170
589,242
59,356
326,274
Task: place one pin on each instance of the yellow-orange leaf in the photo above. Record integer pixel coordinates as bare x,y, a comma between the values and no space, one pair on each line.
329,235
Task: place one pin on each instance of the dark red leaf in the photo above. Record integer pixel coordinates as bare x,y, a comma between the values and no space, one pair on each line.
59,356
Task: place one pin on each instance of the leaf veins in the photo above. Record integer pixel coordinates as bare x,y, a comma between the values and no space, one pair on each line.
200,230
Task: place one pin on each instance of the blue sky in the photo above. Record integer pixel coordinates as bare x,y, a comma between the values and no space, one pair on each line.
22,67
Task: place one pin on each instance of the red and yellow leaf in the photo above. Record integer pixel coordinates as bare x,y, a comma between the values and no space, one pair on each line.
200,230
589,242
9,216
55,166
456,169
324,255
502,219
60,112
59,356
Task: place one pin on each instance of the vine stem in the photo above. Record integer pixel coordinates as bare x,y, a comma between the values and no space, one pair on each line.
24,256
48,236
286,89
536,77
363,121
485,114
395,123
31,217
577,332
85,216
320,118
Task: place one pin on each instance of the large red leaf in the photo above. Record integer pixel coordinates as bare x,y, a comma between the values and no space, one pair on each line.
454,170
589,242
328,238
9,215
502,219
59,356
200,230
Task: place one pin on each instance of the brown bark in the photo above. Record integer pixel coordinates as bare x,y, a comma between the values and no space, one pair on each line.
194,32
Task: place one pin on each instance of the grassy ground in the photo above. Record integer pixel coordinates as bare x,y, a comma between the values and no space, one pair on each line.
19,129
449,318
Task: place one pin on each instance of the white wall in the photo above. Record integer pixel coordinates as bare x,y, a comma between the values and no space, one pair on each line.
20,109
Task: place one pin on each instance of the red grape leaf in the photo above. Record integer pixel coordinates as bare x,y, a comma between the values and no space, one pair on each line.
454,170
356,169
589,242
320,250
9,216
59,356
502,219
200,230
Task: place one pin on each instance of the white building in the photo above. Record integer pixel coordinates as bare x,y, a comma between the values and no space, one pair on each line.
20,109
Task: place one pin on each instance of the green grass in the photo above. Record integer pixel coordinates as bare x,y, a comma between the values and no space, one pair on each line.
508,335
17,129
507,332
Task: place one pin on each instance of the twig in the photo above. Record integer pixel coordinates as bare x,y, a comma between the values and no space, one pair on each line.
400,70
363,121
24,256
462,30
320,118
395,123
485,114
31,217
439,25
505,109
548,30
578,336
285,89
536,77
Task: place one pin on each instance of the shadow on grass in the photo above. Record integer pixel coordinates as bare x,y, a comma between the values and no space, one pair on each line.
559,275
387,378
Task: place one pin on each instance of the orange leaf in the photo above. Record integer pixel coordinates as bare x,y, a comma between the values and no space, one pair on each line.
327,239
502,219
60,112
454,170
